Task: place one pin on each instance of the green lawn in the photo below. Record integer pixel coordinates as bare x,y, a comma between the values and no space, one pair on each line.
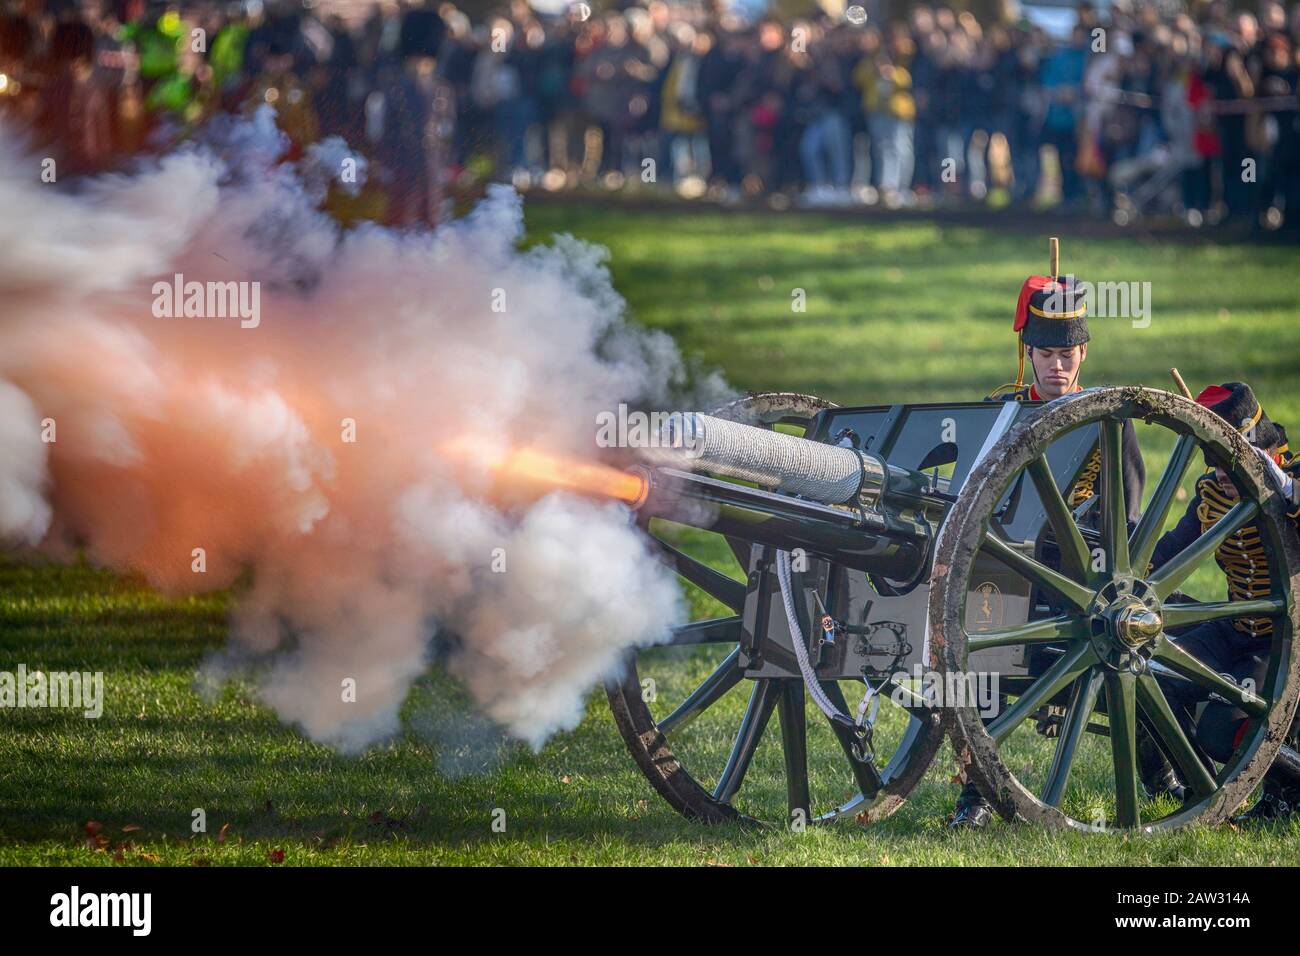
896,312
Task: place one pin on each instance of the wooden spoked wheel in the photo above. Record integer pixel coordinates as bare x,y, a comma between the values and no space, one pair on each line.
1108,658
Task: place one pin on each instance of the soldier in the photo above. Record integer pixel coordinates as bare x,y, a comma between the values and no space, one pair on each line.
1052,329
1239,647
1052,326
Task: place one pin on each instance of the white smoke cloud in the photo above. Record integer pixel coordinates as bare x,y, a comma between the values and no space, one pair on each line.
181,433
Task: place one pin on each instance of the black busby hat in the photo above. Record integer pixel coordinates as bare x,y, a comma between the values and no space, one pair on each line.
1051,313
1236,404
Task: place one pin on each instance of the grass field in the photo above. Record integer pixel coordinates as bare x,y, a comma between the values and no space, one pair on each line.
896,312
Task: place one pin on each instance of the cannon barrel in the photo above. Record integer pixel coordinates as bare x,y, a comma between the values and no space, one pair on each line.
833,502
895,546
830,474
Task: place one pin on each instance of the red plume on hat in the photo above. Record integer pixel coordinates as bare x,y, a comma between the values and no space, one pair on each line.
1237,405
1032,284
1213,395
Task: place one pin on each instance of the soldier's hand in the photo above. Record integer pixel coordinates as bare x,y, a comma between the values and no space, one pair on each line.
1283,482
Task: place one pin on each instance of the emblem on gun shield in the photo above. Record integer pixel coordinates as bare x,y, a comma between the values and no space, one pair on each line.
988,606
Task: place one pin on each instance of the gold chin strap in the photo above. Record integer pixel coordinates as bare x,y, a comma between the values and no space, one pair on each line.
1019,383
1259,413
1074,385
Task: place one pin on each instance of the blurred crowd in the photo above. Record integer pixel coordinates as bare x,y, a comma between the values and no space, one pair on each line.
1144,108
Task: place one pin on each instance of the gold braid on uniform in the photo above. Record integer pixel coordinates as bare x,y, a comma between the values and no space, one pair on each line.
1241,556
1086,486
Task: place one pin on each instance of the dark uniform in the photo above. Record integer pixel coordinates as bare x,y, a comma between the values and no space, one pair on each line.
1085,486
1051,313
1239,648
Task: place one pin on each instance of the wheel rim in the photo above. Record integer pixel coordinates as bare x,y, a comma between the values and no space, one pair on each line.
1113,620
651,734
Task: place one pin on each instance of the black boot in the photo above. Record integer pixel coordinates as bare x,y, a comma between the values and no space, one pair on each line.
1158,776
1281,796
1277,803
972,812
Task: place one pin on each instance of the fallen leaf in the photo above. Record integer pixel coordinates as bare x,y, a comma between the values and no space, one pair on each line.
221,836
276,856
93,827
131,828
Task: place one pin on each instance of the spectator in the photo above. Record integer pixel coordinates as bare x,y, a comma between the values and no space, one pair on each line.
684,151
1062,81
942,103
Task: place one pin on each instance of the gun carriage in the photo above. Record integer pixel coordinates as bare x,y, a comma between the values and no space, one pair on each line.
899,549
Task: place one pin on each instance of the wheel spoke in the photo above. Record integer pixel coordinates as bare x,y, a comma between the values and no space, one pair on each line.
1083,700
1181,615
1074,594
727,675
1074,552
762,700
1166,580
1181,662
1044,631
1121,707
718,630
865,774
1163,721
1114,514
1143,541
1066,668
794,743
717,585
741,549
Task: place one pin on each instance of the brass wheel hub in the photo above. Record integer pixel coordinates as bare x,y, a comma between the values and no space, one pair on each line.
1136,624
1126,622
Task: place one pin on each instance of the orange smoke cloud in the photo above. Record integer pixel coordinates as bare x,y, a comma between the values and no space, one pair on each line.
179,433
